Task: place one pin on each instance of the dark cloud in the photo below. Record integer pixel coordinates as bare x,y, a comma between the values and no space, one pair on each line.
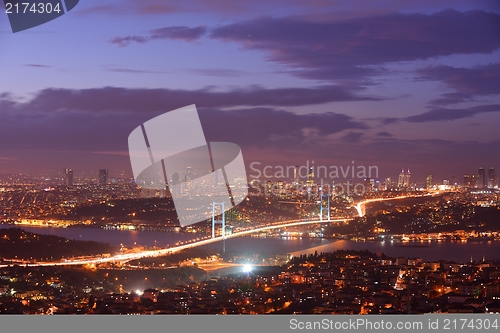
161,7
145,100
451,98
352,137
467,82
38,66
176,33
122,69
218,72
63,130
101,119
319,8
443,114
124,41
179,32
350,48
354,48
384,134
265,127
44,128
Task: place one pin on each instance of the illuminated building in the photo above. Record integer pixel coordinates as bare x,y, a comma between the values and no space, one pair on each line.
492,178
401,179
310,176
68,177
470,180
295,175
407,179
453,181
103,176
269,187
188,177
429,182
388,183
368,185
404,179
481,178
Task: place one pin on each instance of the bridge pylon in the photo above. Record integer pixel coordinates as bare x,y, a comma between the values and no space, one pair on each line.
322,206
222,220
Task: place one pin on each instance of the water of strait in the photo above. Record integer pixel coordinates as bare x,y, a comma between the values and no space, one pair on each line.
436,250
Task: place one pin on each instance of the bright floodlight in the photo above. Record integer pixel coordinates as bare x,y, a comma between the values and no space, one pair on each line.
247,268
138,292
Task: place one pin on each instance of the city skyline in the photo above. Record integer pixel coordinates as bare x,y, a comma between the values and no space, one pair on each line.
412,84
103,176
295,176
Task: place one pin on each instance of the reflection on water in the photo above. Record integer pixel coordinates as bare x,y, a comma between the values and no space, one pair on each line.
445,250
113,237
451,251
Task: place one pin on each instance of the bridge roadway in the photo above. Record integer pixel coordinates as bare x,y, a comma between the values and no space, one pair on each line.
161,252
361,211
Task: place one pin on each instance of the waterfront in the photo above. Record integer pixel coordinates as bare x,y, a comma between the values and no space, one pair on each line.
460,251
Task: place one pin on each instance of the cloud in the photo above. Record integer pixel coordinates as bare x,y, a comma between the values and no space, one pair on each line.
42,126
174,33
122,69
100,120
156,100
384,134
218,72
443,114
179,32
37,65
265,127
467,82
319,8
352,137
355,47
119,153
82,128
125,41
451,98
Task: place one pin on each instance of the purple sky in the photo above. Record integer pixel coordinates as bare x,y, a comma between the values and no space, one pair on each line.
411,84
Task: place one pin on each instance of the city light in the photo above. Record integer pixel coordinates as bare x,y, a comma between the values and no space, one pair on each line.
247,268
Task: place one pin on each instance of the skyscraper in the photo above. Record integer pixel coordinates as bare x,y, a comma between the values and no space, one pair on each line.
492,178
429,182
310,176
295,175
368,185
388,183
481,178
188,177
401,179
103,176
68,177
404,179
470,180
407,179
